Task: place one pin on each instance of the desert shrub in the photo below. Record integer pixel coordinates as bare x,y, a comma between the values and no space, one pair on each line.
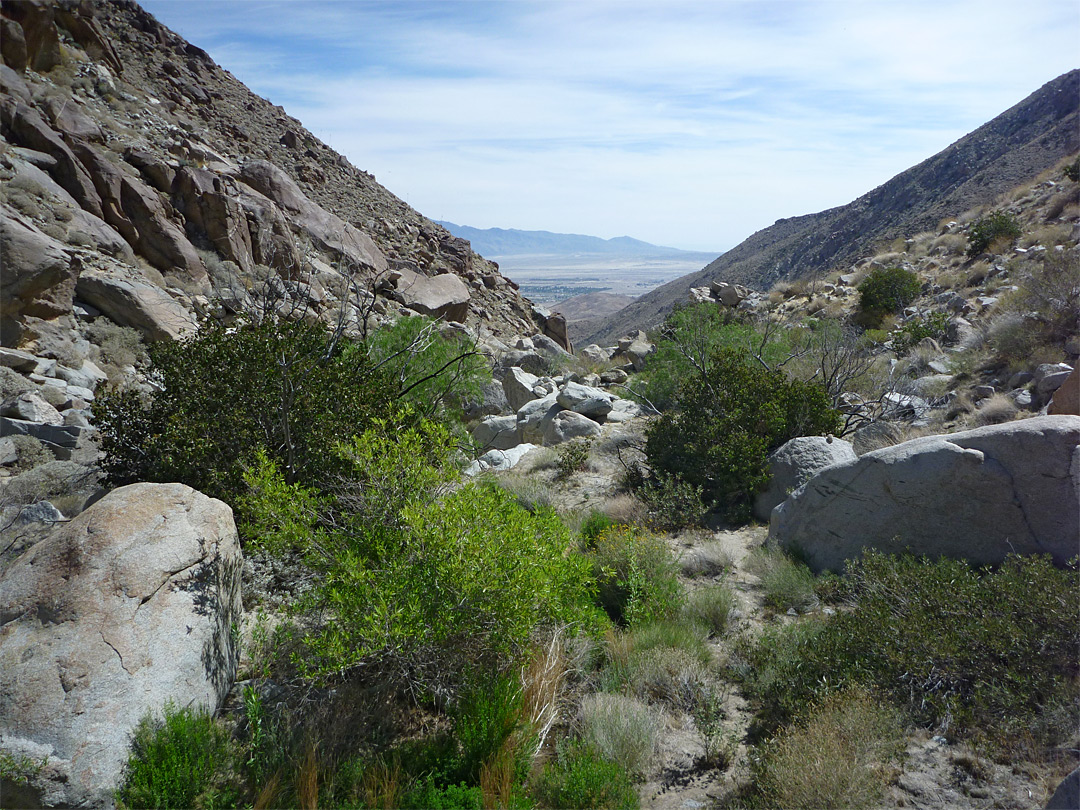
12,383
635,575
118,345
712,607
983,653
429,588
787,583
1072,170
932,325
490,713
531,492
183,760
689,337
573,457
719,744
671,503
671,676
595,524
729,419
1049,289
840,757
989,229
581,778
996,410
885,291
622,729
707,560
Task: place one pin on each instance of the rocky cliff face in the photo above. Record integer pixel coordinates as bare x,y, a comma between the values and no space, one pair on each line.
1012,148
144,183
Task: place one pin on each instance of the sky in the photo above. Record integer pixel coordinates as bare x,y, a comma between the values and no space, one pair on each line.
687,124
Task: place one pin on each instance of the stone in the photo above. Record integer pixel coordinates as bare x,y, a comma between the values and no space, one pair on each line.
980,392
533,416
555,328
594,353
210,205
1067,794
443,297
40,37
1020,379
545,345
636,352
977,495
30,407
518,386
15,359
623,410
497,432
903,406
490,402
566,425
12,48
591,402
88,375
615,376
730,295
499,459
9,454
39,279
137,304
1066,399
1050,376
68,118
129,605
796,462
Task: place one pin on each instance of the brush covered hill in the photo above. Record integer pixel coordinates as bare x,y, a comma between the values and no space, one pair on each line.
1013,147
141,178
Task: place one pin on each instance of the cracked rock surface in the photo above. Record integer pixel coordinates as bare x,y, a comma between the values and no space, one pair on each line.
110,615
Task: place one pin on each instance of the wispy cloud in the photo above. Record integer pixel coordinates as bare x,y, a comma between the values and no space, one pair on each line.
683,123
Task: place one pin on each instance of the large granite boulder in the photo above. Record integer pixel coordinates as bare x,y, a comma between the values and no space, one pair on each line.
976,495
1066,399
795,463
586,400
518,386
128,606
39,279
137,304
443,297
566,425
497,433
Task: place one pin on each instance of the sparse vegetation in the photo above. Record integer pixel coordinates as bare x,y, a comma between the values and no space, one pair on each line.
1000,227
885,291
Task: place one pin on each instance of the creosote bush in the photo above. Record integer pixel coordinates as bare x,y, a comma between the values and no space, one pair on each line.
997,226
886,291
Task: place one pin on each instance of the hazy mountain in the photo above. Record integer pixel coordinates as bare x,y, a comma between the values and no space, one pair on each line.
1013,147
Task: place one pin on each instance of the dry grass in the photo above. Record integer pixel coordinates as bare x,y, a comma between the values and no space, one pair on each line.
382,786
996,410
949,244
307,779
841,757
542,684
621,728
707,560
625,509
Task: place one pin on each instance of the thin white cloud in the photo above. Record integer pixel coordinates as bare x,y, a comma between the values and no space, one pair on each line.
683,123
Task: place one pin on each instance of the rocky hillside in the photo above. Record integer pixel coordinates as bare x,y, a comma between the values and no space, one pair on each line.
1010,149
143,182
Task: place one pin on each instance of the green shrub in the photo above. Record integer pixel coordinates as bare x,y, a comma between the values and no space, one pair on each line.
989,229
427,795
933,325
580,778
635,575
885,291
840,757
729,419
712,607
595,524
489,714
573,457
181,761
671,503
982,653
1072,170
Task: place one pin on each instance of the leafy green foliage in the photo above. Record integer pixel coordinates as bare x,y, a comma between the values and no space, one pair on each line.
184,760
225,393
671,503
1072,170
595,523
573,457
978,652
581,779
989,229
433,585
689,337
729,419
487,717
932,325
636,575
884,291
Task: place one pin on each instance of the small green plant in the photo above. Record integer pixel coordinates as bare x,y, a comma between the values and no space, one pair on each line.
573,458
932,325
885,291
183,760
20,769
595,524
672,503
712,607
997,226
489,715
636,575
581,778
787,583
718,743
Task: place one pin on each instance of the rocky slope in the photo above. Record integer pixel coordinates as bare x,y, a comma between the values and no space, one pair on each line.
145,181
1010,149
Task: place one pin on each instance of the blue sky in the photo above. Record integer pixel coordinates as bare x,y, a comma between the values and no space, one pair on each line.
690,124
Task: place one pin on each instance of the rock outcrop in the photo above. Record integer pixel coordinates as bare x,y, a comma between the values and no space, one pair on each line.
128,606
795,463
977,495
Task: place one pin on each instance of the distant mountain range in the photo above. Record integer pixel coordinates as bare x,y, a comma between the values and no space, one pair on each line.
1012,148
499,242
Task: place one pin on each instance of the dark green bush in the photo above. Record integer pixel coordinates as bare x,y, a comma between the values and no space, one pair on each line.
581,779
729,419
184,760
981,653
986,231
1072,170
886,290
596,522
933,325
671,503
573,457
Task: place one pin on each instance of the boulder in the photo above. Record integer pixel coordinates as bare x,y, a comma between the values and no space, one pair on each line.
30,407
595,354
444,297
623,410
591,402
107,618
499,459
490,402
795,463
137,304
518,386
533,416
555,328
566,425
39,279
1066,399
730,295
1067,795
976,495
1049,377
211,208
497,432
12,46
